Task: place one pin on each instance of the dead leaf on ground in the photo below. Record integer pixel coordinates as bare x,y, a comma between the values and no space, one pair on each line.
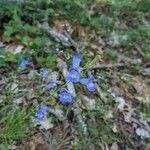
13,48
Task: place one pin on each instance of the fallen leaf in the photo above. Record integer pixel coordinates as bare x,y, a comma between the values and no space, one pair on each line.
18,49
46,123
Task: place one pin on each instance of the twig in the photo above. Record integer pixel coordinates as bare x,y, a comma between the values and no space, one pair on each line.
126,137
73,43
140,51
64,39
107,66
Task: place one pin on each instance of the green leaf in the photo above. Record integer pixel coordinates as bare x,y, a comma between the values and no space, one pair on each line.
41,60
11,58
39,42
50,61
2,52
2,61
26,40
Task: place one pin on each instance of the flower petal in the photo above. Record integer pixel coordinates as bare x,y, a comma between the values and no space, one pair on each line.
23,63
91,87
91,78
84,81
63,90
44,109
65,96
88,82
76,61
50,85
40,116
73,76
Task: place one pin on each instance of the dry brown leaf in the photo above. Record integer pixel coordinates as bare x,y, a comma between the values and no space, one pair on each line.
13,48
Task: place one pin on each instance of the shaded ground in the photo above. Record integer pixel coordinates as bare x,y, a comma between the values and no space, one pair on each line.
112,38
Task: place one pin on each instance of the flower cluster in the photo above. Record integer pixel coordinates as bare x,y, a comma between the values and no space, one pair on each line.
73,76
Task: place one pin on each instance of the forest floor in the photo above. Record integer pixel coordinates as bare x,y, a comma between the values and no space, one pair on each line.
112,38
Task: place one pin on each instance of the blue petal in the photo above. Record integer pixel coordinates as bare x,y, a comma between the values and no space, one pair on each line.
44,109
84,81
40,116
91,78
88,82
65,96
50,85
91,87
73,76
62,90
44,72
23,63
76,61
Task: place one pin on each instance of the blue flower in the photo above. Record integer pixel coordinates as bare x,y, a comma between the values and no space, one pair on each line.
44,109
23,64
73,75
41,114
65,96
50,85
88,82
74,71
44,72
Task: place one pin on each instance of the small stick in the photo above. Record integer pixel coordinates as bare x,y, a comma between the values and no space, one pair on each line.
107,66
140,51
64,39
73,43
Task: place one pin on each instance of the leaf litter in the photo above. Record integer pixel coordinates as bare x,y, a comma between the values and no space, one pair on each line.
126,96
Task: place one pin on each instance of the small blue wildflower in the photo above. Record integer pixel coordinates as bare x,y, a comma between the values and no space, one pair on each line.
44,109
44,72
23,64
73,75
65,96
88,82
40,116
74,71
50,85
